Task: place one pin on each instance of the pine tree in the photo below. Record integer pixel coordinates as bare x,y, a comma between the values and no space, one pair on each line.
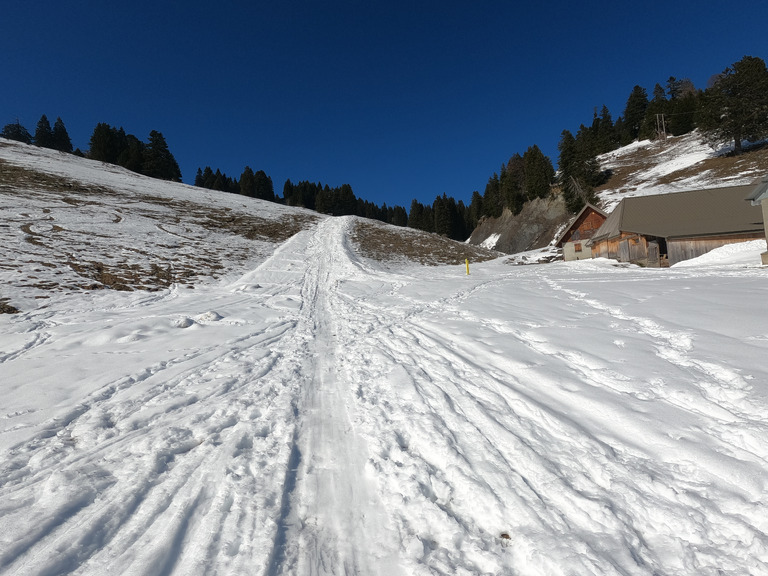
735,107
460,218
415,215
677,89
421,217
44,133
634,113
288,193
158,160
512,184
578,174
493,203
105,143
16,131
605,136
248,183
61,139
219,181
539,173
208,178
132,154
263,186
347,205
443,222
399,216
475,212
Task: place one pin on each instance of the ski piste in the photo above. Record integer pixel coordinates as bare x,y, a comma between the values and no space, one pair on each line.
323,413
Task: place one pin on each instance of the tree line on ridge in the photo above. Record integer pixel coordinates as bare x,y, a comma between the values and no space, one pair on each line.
733,108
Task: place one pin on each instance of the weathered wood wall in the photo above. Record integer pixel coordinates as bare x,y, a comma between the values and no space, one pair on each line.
680,249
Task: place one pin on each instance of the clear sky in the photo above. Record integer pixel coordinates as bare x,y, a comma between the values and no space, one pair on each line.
401,100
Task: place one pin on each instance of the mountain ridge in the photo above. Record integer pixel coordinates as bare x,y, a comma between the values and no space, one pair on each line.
643,167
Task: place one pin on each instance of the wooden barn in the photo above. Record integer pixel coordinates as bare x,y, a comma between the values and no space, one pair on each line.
574,240
663,229
759,197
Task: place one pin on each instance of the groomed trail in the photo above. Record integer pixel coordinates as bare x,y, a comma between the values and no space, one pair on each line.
324,415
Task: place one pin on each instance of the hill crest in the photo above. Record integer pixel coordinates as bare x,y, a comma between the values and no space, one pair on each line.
644,167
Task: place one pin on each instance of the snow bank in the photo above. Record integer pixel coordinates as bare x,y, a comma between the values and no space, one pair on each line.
738,254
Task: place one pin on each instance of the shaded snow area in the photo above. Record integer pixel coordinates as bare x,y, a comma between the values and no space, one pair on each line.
322,415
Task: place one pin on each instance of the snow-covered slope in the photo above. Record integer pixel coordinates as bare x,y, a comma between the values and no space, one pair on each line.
679,163
644,167
320,413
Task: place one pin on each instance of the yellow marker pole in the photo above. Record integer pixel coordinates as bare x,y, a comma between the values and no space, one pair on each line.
467,261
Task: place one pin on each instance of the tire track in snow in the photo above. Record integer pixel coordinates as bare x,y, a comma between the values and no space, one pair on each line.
193,446
501,449
676,347
723,390
455,427
335,523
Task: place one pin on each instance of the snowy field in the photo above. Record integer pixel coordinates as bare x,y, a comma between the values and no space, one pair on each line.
319,413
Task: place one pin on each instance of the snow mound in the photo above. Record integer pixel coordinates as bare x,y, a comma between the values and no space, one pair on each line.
740,253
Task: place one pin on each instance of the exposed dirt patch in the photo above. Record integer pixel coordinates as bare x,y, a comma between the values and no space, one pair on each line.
86,236
392,244
18,179
626,172
723,167
6,308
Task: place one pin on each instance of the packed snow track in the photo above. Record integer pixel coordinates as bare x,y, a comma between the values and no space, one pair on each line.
324,415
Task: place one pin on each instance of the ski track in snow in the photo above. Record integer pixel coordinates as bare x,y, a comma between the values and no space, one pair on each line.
339,419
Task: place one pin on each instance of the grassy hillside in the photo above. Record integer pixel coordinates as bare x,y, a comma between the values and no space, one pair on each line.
675,164
75,224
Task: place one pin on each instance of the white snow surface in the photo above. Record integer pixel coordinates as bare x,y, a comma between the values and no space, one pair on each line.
318,413
491,241
667,157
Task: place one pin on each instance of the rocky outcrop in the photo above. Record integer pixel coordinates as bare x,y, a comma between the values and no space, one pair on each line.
536,226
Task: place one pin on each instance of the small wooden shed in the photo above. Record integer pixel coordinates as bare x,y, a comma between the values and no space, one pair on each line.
574,240
759,196
663,229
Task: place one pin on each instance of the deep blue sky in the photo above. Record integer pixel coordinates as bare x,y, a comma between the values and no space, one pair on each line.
401,100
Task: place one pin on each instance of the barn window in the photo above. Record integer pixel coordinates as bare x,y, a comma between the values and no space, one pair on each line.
577,246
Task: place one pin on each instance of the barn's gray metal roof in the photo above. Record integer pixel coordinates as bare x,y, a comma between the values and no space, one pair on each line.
709,212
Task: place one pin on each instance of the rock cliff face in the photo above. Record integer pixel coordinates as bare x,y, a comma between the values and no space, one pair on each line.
535,227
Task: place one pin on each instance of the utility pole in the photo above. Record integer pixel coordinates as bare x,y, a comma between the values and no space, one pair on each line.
661,127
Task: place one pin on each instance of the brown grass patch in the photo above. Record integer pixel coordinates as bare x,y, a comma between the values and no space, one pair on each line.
107,258
624,171
6,308
386,243
17,178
